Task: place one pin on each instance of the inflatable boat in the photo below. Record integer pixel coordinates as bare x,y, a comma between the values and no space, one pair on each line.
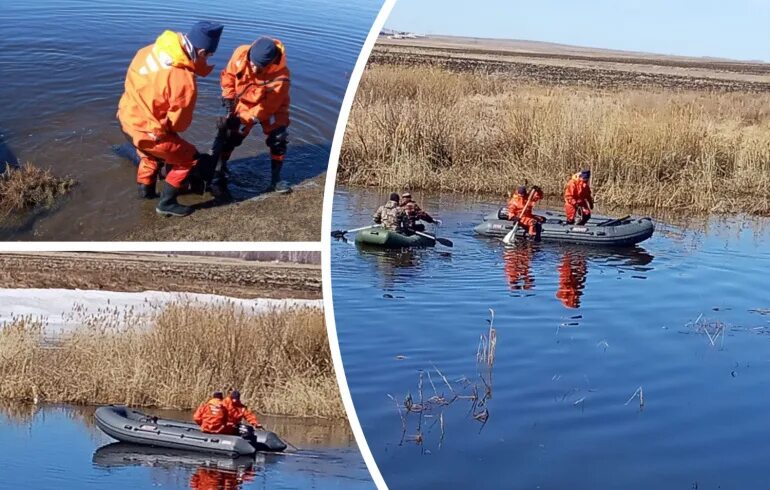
126,425
601,231
385,238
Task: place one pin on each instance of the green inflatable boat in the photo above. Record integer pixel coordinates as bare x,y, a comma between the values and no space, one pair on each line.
384,238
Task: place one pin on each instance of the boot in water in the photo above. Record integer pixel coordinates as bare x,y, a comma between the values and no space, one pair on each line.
147,191
276,184
219,189
168,205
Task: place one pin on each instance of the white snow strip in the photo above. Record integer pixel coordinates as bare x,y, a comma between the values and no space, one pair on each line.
63,309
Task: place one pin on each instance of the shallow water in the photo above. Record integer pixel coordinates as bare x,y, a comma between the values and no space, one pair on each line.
579,330
60,447
64,64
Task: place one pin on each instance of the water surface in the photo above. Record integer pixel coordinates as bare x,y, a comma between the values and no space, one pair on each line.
64,65
579,330
61,447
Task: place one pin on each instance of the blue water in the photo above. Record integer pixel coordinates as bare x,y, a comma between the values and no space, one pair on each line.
59,447
63,66
579,330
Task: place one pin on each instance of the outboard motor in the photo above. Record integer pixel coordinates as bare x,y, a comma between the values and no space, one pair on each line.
502,213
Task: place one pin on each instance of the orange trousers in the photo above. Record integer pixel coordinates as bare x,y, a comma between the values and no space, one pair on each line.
178,155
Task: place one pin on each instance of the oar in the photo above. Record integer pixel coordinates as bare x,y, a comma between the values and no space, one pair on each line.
614,220
443,241
508,239
341,233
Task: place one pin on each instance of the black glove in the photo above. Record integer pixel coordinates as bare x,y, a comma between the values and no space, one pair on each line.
537,189
228,104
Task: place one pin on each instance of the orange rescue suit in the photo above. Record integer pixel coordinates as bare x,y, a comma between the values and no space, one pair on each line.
518,203
212,417
158,103
237,411
262,96
572,278
577,194
214,479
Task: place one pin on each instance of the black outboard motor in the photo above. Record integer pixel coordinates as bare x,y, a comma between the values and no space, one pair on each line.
502,213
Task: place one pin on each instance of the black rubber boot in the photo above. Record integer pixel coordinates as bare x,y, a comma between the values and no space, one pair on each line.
147,191
219,188
276,184
538,231
168,205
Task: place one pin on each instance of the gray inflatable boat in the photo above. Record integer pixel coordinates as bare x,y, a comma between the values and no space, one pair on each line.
135,427
599,230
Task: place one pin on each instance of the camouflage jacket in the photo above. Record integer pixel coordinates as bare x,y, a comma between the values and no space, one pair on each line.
391,216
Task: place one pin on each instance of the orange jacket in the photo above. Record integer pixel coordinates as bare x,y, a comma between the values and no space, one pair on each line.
214,479
572,276
160,90
212,416
237,411
577,191
517,203
263,96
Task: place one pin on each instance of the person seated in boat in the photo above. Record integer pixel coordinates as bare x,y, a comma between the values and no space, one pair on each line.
520,209
237,411
578,198
211,416
415,213
391,215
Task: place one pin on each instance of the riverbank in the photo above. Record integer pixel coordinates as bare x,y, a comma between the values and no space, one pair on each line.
268,217
279,359
481,129
137,272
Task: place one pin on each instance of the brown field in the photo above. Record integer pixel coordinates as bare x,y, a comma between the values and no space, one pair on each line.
160,272
280,360
691,136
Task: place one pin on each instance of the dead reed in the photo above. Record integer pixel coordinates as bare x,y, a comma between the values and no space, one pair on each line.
428,128
429,410
28,187
280,360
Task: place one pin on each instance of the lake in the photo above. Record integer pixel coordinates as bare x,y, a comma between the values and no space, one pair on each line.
61,447
583,337
64,66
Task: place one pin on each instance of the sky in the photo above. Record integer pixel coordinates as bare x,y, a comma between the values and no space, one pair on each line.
738,29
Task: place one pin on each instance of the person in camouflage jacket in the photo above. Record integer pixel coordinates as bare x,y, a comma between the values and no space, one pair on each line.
391,215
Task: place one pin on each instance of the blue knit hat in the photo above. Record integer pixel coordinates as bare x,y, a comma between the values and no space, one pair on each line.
522,191
263,51
585,174
205,35
235,395
217,394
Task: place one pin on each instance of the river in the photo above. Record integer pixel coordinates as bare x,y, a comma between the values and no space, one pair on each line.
64,65
61,447
637,368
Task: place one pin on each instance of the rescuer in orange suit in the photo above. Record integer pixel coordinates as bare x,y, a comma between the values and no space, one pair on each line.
255,90
237,411
572,278
214,479
577,197
518,202
517,266
158,104
212,416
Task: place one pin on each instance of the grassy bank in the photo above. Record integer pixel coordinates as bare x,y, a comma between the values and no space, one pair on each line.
28,187
279,360
428,128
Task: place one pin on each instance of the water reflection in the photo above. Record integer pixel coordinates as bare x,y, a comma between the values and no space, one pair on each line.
571,266
212,472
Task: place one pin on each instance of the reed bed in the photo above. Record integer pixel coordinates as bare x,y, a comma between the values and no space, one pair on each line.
280,360
29,186
427,128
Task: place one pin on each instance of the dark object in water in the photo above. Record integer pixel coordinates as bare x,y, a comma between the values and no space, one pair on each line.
126,425
600,231
121,454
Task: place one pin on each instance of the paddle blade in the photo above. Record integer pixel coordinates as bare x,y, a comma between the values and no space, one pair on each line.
511,236
339,233
445,241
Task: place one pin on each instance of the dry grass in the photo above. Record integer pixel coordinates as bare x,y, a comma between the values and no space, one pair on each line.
28,187
280,360
423,127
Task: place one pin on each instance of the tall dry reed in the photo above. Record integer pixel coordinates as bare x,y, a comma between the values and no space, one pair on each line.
28,186
280,360
423,127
